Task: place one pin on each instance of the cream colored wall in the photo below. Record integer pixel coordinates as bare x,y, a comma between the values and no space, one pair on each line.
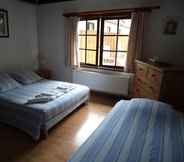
168,48
52,31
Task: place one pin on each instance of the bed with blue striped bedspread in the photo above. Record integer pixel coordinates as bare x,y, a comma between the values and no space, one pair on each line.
139,130
30,118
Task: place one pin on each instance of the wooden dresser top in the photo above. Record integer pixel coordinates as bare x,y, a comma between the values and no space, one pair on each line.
162,67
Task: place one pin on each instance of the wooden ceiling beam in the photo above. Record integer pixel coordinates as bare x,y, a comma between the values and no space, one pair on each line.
44,1
112,12
51,1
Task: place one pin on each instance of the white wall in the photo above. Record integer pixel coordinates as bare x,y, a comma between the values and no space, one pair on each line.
21,48
52,32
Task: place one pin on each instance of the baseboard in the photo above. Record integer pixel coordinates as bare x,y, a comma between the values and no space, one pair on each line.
110,95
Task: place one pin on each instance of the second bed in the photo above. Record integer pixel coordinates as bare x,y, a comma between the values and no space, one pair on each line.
36,117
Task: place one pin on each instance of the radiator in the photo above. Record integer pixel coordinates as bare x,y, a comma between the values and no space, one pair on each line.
113,83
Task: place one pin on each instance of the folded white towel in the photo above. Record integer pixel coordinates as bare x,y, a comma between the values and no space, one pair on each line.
43,95
50,95
40,100
65,89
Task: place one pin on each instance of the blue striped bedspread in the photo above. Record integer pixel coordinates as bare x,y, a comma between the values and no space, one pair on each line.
30,118
139,130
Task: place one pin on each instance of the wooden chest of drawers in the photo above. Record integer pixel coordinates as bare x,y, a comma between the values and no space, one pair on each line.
159,83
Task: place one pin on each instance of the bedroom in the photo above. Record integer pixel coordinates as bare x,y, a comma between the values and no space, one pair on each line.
37,41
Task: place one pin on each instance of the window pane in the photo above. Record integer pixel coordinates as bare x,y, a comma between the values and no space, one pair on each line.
109,43
82,56
110,27
91,57
121,59
109,58
123,43
82,27
92,27
124,26
82,40
91,42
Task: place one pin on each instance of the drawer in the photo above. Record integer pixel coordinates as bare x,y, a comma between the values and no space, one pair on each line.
141,71
137,90
145,93
137,93
154,77
145,90
148,94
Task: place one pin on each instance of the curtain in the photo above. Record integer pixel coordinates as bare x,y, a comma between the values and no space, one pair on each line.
72,57
135,40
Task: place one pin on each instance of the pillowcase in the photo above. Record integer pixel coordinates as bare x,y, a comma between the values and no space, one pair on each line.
7,83
26,77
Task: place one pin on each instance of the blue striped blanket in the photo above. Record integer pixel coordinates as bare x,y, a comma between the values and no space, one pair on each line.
139,130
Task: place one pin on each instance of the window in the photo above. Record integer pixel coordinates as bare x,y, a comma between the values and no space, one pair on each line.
103,42
115,43
88,41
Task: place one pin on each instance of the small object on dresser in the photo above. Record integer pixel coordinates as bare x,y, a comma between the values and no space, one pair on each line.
45,73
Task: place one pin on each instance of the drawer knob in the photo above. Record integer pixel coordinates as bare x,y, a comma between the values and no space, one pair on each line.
151,88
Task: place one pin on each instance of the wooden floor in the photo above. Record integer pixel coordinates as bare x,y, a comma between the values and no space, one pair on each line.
63,139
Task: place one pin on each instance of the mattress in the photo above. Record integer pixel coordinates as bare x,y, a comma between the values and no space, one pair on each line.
139,130
31,117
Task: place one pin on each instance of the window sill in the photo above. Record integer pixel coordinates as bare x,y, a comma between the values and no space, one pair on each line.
102,71
105,68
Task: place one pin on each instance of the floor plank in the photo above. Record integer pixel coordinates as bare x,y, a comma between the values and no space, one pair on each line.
63,139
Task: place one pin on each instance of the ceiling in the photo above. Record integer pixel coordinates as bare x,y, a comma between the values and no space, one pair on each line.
44,1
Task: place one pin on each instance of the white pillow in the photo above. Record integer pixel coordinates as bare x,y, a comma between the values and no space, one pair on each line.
7,83
26,77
